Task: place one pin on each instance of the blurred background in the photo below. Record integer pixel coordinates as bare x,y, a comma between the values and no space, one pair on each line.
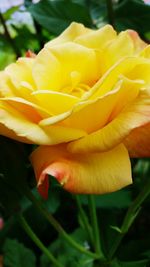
27,24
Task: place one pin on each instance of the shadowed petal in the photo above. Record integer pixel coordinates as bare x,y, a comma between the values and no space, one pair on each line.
138,142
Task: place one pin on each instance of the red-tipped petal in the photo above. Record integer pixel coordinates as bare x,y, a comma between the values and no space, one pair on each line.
91,173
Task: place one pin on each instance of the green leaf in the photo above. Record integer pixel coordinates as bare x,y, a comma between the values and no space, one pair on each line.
17,255
7,54
55,16
7,15
67,255
133,14
25,40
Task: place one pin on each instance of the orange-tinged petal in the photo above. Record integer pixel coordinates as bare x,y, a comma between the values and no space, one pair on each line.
30,132
138,142
134,115
95,173
139,44
16,126
30,54
30,110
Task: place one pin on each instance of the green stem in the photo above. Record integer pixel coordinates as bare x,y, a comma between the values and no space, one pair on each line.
110,12
95,227
130,217
57,226
37,241
84,219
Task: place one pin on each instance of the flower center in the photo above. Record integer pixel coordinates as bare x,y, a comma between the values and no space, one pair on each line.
77,87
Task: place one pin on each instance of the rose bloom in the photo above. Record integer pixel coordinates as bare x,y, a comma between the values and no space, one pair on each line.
85,99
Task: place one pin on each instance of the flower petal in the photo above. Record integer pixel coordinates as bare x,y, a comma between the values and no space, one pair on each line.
71,33
74,57
55,102
139,44
117,49
138,142
146,52
103,87
95,114
95,173
16,126
6,87
109,79
46,71
54,67
134,115
21,71
30,110
97,39
141,71
13,121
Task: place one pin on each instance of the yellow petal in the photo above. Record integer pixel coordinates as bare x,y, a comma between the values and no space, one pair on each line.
92,115
21,71
55,102
74,57
97,113
29,132
30,110
6,87
46,71
138,142
139,44
141,71
54,67
134,115
71,33
109,79
97,39
93,173
21,128
119,48
146,52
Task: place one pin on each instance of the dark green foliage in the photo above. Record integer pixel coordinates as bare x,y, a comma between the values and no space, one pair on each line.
13,174
17,255
66,254
55,16
133,14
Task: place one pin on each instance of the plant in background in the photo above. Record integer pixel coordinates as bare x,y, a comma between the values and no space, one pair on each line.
85,100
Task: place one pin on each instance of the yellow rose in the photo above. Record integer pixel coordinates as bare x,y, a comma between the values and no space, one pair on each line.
85,98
